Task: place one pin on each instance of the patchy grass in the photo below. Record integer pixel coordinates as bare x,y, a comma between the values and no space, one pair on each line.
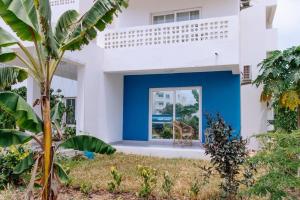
96,174
182,171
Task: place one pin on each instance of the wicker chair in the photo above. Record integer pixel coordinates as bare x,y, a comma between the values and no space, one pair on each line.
185,133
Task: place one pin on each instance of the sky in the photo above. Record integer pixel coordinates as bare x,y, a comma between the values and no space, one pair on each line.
287,21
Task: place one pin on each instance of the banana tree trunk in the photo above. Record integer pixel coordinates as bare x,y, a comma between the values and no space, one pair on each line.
298,117
48,155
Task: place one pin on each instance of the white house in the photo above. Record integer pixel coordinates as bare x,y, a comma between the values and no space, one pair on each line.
160,57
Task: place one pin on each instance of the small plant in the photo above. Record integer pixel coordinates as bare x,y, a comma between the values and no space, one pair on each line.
280,159
69,132
86,188
194,189
117,179
9,159
167,183
228,153
149,176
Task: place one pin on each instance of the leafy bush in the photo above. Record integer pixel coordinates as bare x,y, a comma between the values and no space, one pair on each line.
284,118
280,158
69,132
167,132
86,188
149,180
228,154
117,179
194,189
9,158
167,183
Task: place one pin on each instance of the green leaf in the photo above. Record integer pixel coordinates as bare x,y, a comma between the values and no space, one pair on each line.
6,54
57,112
13,137
6,39
24,164
48,41
88,143
23,113
97,17
21,16
65,24
61,173
11,75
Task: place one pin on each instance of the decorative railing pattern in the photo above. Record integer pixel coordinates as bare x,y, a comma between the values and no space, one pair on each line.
171,33
61,2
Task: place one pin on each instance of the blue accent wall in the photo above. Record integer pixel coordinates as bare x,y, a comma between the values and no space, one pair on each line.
220,94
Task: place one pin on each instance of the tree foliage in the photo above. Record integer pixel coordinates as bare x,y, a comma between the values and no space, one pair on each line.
11,75
280,78
228,153
280,159
31,21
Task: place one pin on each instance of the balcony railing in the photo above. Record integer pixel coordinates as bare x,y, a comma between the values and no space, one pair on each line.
205,44
172,33
61,2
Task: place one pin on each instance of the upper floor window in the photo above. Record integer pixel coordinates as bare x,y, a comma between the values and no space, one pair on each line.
178,16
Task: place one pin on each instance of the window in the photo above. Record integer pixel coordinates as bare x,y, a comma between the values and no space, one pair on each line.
247,74
178,16
161,19
184,107
160,94
71,106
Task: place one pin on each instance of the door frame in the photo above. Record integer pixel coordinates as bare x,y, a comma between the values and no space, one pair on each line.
174,89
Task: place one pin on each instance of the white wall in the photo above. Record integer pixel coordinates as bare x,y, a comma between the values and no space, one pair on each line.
100,96
68,87
139,11
213,53
255,41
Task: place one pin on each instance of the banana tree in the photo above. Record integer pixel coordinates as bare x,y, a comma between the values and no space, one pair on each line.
11,75
30,20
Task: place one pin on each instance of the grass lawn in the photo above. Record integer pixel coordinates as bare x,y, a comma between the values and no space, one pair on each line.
96,174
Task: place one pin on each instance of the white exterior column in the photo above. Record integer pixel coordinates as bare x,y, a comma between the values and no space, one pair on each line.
254,45
99,96
33,93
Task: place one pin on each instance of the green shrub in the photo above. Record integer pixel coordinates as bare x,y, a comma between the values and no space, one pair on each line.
9,158
86,188
167,184
279,157
167,132
149,180
194,189
284,118
69,132
117,179
228,154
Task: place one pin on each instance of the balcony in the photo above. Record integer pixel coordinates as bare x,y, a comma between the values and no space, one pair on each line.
199,45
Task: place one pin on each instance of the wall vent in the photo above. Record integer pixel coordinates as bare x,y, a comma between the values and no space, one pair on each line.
247,79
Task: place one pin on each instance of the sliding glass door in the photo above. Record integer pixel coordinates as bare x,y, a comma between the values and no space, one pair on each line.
169,105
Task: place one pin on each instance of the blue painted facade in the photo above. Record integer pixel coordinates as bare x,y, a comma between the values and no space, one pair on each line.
220,94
